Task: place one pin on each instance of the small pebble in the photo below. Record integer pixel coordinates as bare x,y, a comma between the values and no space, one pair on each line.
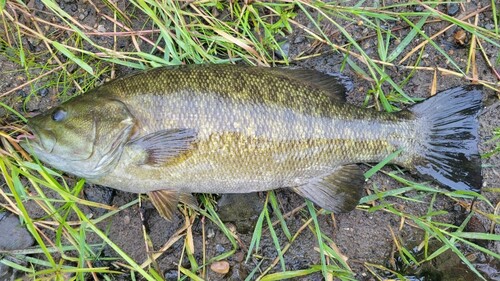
31,4
21,93
219,248
231,227
221,267
101,28
299,39
215,12
34,41
239,256
43,92
171,275
210,233
471,257
285,50
83,15
489,26
418,8
73,8
460,37
452,9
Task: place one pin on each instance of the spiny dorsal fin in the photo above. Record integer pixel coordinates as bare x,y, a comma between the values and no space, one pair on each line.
164,146
338,192
334,84
165,201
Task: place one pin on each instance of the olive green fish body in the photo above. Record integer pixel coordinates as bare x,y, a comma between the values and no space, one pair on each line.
254,131
234,129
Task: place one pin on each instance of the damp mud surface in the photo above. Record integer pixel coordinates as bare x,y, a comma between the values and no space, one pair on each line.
364,238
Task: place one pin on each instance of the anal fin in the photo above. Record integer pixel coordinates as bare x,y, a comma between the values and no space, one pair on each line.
338,192
165,201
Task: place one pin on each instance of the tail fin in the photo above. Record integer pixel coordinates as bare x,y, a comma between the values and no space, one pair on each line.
450,152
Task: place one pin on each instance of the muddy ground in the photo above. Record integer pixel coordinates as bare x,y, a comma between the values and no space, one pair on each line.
361,236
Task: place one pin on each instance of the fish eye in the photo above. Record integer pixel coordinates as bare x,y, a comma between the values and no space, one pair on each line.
59,115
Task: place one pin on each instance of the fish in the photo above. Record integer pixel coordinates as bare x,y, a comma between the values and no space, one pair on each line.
174,131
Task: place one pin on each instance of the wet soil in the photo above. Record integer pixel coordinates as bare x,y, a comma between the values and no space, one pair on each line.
362,237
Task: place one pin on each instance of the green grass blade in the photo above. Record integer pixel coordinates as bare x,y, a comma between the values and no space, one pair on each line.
495,18
477,235
252,273
275,240
10,109
117,249
409,38
448,244
72,57
289,274
17,266
383,194
212,215
29,222
382,163
277,212
190,274
257,233
317,230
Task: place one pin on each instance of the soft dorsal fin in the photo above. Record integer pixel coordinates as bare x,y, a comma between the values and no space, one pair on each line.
164,146
338,192
336,85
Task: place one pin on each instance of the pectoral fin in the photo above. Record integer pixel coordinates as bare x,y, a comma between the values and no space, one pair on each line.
338,192
165,201
164,146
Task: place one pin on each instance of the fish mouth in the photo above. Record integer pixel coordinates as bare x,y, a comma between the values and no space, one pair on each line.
32,140
27,138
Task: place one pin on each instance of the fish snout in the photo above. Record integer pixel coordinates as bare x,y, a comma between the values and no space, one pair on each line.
44,141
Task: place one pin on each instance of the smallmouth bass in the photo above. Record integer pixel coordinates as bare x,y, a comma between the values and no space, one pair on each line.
173,131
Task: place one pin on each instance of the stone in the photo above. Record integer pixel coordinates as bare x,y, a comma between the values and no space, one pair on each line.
221,267
13,236
452,9
240,209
